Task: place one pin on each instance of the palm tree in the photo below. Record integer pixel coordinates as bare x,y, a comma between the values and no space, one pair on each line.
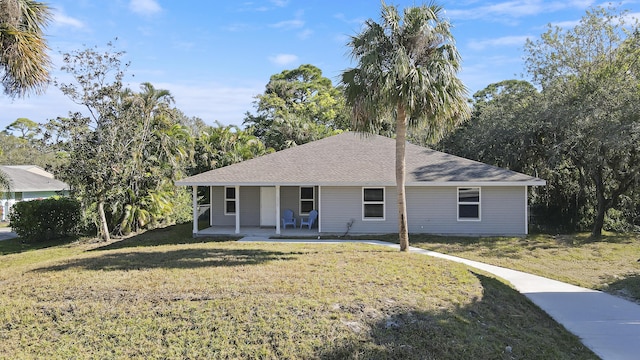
24,62
406,74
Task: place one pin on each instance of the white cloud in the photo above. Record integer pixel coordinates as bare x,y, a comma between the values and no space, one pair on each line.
280,3
566,24
237,27
283,59
60,19
632,17
305,34
497,42
343,18
504,11
288,24
145,7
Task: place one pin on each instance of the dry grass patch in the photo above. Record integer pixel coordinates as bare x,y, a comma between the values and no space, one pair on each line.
609,264
263,301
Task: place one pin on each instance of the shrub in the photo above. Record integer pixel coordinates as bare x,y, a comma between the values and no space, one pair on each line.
40,220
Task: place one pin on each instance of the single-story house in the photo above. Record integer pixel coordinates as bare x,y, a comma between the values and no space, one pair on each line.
349,179
28,182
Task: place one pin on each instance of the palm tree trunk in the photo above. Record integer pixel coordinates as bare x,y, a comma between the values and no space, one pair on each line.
104,228
401,136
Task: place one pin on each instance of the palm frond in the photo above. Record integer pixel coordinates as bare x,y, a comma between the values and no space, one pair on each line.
24,59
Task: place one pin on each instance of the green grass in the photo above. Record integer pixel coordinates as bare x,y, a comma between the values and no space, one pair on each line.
183,298
609,264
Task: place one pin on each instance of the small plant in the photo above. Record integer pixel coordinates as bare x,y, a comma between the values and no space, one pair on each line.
41,220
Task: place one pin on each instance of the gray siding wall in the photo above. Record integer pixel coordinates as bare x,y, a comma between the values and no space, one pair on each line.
430,210
249,207
434,211
289,197
341,204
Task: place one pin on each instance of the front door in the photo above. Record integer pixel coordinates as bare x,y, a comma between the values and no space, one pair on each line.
268,206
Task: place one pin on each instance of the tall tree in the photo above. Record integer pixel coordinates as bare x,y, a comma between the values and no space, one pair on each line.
26,127
298,106
590,79
97,144
24,61
501,130
407,73
123,156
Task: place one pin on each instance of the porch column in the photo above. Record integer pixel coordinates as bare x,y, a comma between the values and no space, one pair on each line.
319,208
210,205
277,209
526,211
237,209
195,209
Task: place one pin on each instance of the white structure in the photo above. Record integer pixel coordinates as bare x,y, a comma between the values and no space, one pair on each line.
28,182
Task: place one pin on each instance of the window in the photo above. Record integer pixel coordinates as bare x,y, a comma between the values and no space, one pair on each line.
229,200
307,200
469,204
373,204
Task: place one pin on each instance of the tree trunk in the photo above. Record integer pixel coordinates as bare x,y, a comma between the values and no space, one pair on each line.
401,136
104,228
601,206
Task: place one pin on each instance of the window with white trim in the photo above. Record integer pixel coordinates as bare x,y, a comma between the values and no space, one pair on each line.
229,200
373,207
307,199
469,204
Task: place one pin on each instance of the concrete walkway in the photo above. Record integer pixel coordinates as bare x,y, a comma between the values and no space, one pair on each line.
6,234
606,324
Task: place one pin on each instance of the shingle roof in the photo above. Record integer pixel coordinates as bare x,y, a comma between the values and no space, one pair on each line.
353,159
31,178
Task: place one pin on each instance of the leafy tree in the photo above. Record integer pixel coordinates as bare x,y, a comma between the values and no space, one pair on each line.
24,62
590,83
162,150
97,144
218,146
500,131
298,106
123,156
27,128
5,183
406,74
506,130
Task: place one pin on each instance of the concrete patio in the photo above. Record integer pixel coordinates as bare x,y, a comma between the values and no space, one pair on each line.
261,232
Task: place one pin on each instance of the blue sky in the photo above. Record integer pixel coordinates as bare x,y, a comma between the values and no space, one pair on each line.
215,56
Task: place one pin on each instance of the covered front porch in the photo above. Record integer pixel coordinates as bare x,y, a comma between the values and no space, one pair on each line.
254,210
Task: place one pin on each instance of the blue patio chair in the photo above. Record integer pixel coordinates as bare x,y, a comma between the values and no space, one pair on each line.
288,219
313,215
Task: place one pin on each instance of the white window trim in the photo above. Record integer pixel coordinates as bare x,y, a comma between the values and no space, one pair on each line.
227,199
479,202
383,202
300,199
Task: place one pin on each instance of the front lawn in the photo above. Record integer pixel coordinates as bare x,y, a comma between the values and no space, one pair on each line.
186,298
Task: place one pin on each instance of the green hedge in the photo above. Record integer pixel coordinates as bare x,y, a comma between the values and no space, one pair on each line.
40,220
